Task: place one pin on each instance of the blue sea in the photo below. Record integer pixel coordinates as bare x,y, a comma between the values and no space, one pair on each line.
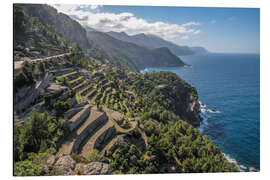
229,84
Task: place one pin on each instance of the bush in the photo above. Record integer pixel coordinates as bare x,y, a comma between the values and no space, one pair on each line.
60,107
27,168
94,155
79,159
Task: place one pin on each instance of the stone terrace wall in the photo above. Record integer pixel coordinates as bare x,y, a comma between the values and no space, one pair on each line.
80,119
89,131
103,139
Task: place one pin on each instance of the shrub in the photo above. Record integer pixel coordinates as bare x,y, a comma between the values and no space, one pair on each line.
27,168
94,155
60,107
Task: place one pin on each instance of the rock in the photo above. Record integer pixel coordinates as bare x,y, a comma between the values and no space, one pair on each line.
94,168
27,49
252,169
66,165
51,160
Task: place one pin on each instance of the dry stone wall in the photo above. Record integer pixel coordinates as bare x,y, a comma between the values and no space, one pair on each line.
103,139
89,131
80,119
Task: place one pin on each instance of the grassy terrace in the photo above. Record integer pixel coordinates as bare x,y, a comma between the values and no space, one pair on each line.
81,85
92,94
77,79
86,90
66,75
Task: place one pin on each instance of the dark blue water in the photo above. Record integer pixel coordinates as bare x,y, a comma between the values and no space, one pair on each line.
229,83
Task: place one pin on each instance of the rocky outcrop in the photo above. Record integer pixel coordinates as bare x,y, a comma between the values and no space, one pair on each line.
94,168
193,111
67,166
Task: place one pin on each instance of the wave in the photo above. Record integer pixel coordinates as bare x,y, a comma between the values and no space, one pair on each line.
144,71
241,167
213,111
204,122
205,114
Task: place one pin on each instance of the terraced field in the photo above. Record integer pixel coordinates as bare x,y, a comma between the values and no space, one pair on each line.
90,127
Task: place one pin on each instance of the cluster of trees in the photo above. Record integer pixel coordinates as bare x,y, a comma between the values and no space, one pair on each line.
179,141
39,133
127,160
172,147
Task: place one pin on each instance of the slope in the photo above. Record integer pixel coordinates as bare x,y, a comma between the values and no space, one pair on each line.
136,56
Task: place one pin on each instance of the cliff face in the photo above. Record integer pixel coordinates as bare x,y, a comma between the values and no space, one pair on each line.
67,166
193,111
187,105
70,29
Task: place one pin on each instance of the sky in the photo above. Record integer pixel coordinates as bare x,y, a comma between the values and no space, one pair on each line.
219,30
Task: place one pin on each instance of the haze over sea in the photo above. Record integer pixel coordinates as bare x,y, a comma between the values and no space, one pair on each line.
230,84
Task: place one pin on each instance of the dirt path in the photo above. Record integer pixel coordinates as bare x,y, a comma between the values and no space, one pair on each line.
110,144
18,64
48,58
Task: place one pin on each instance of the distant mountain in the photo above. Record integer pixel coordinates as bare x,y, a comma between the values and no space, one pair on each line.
199,50
152,41
136,56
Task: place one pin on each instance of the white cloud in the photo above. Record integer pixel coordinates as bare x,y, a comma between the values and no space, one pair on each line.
128,23
95,6
192,23
184,37
197,32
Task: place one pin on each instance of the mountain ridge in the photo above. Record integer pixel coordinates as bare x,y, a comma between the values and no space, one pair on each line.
140,56
152,41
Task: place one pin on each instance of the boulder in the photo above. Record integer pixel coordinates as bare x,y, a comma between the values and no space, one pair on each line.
51,160
252,169
66,165
94,168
